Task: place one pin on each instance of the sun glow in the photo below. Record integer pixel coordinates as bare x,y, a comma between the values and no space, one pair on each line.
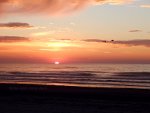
59,44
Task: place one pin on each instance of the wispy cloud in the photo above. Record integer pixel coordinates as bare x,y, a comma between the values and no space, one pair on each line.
72,23
44,33
113,2
145,6
56,30
10,39
51,7
136,42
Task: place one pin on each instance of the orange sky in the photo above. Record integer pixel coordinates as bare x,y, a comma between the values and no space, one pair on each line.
74,31
72,52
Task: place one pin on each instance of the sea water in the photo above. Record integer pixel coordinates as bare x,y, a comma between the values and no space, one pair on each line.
81,75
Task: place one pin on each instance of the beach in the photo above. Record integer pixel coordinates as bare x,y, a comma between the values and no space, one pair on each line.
26,98
74,56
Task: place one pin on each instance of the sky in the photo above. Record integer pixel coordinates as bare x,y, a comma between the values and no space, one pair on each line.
75,31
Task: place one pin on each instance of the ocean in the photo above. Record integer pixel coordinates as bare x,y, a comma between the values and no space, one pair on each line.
80,75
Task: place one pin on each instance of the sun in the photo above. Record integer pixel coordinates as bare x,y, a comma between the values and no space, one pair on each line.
56,63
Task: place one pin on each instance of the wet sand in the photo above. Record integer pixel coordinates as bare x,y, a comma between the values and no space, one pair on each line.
17,98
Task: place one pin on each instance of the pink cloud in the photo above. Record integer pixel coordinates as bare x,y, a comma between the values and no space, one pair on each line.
51,7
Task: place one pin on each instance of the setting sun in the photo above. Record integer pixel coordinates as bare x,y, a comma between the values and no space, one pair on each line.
56,62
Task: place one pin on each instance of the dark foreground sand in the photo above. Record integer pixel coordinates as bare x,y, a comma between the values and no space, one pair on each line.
55,99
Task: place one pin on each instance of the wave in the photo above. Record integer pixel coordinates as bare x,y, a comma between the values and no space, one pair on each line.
86,78
133,74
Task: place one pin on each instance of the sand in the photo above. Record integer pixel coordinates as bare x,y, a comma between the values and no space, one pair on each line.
17,98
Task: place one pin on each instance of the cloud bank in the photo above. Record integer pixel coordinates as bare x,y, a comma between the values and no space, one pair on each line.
137,42
10,39
51,7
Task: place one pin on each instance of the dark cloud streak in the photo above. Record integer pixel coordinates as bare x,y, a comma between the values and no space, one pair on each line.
94,40
136,42
15,25
141,42
12,39
135,30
